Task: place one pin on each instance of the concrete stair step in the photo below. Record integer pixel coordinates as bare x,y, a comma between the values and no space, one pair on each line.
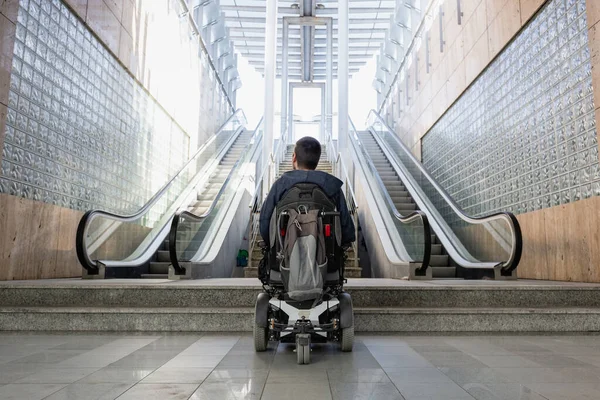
366,319
242,293
351,272
155,276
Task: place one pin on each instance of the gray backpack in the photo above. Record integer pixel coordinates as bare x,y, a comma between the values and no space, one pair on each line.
303,260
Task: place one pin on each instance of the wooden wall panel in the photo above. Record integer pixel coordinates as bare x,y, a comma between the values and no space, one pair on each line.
37,240
534,259
562,243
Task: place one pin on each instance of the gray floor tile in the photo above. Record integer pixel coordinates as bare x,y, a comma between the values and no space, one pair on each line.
577,375
456,359
416,375
206,349
226,374
529,375
501,391
235,389
7,359
91,391
556,360
178,375
159,391
249,361
507,361
300,375
594,361
29,391
87,360
292,391
12,372
50,356
117,375
441,390
362,375
402,361
397,350
136,360
365,391
58,375
474,375
387,340
198,361
567,391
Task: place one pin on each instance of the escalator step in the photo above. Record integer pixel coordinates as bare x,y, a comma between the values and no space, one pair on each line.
439,261
405,206
400,199
399,194
443,272
163,256
436,249
159,267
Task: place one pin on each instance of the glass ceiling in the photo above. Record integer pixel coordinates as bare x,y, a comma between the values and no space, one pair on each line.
369,21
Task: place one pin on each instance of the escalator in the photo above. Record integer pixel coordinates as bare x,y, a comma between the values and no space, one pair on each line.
160,262
447,243
204,240
110,245
439,261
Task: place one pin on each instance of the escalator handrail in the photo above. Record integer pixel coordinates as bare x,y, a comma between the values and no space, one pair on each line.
272,160
406,219
80,249
180,270
517,245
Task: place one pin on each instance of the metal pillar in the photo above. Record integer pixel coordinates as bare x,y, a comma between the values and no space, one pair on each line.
343,75
284,76
329,79
270,70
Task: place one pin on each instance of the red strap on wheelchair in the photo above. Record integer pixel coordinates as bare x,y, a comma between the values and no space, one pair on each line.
327,230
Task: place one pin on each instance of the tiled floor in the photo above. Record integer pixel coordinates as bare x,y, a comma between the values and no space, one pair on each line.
225,366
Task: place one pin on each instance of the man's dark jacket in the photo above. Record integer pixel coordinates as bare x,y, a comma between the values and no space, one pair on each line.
332,187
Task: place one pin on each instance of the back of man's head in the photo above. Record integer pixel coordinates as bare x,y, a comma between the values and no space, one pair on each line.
308,153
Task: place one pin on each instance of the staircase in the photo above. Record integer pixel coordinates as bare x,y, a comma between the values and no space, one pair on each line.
160,262
440,262
227,305
351,270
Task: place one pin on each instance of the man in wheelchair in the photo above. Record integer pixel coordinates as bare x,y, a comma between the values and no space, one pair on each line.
305,225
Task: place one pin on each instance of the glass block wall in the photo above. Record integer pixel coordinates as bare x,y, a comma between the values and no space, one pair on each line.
81,132
523,136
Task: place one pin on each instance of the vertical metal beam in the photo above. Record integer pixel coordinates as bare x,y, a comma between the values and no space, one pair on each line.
343,74
270,70
329,78
290,112
284,74
323,112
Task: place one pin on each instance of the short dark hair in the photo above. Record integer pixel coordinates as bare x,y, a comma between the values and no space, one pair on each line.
308,152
